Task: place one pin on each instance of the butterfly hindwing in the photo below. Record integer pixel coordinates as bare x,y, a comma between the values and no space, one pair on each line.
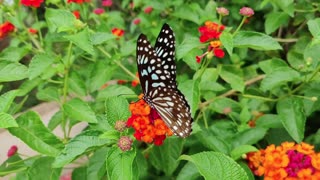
157,73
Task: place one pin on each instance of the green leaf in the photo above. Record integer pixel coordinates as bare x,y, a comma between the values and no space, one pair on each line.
79,110
42,169
101,37
14,54
268,66
189,171
295,60
114,90
28,85
274,20
82,40
59,20
249,136
39,63
49,94
213,142
11,71
287,6
238,151
97,164
32,131
224,166
269,121
168,154
278,77
311,54
233,76
227,41
314,27
189,43
77,84
102,72
255,40
13,164
292,117
55,120
6,100
186,9
79,145
117,108
221,103
6,121
191,91
111,134
119,164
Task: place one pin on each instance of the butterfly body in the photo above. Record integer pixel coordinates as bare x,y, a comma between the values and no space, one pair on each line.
157,73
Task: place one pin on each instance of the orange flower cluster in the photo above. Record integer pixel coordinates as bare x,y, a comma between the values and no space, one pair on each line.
6,28
211,32
117,32
148,125
288,161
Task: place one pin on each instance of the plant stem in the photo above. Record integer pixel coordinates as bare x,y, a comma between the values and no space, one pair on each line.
118,63
258,97
240,25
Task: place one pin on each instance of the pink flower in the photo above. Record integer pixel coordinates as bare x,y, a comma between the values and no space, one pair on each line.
148,9
222,11
125,143
136,21
12,151
107,3
98,11
246,11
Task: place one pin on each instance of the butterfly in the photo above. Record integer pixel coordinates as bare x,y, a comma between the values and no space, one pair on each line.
157,74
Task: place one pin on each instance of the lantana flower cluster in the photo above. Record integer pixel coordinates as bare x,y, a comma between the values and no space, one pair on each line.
288,161
146,122
6,28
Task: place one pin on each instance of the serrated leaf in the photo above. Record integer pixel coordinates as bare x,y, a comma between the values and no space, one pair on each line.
78,146
55,120
79,110
233,76
13,54
49,94
119,164
249,136
117,108
255,40
101,37
274,20
97,164
76,84
277,77
13,164
292,116
221,103
111,134
213,142
190,89
32,131
59,20
227,41
11,71
224,166
189,171
189,43
314,27
6,100
269,121
39,63
168,153
102,72
28,85
79,173
42,169
82,40
268,66
238,151
180,12
6,121
112,91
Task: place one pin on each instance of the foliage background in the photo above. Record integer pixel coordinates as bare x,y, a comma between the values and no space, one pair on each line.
264,91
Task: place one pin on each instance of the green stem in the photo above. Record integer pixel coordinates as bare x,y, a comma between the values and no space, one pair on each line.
240,25
65,90
205,120
307,81
258,97
39,31
118,63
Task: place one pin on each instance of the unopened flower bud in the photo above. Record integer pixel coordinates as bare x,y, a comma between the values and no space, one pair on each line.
12,151
125,143
120,126
246,11
222,11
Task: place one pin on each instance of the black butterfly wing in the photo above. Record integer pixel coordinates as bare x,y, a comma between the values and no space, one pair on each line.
173,109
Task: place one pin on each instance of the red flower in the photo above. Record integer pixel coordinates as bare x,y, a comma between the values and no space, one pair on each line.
136,21
98,11
148,9
147,124
117,32
6,28
219,53
198,59
32,31
210,30
107,3
12,151
78,1
32,3
76,13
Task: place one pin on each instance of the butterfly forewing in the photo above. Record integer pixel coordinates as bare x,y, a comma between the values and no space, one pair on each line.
157,73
